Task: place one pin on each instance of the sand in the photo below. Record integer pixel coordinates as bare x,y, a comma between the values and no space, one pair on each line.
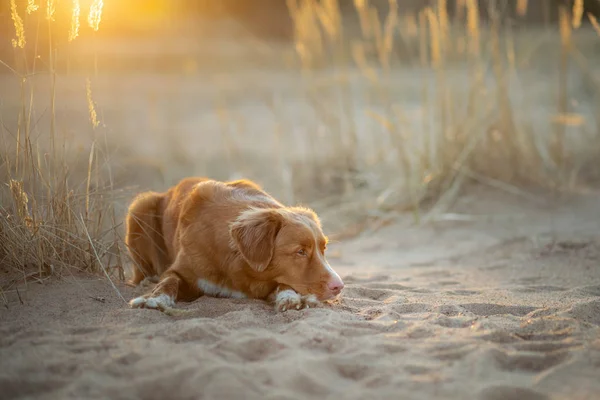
499,307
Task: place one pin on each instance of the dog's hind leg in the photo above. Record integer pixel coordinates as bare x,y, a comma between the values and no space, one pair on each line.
144,238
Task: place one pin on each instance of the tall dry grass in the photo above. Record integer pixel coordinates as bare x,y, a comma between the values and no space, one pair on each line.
469,132
56,207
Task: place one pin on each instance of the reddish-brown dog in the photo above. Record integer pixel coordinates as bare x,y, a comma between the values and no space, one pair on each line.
227,239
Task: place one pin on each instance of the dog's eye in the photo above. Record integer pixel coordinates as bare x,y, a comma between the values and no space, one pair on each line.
301,252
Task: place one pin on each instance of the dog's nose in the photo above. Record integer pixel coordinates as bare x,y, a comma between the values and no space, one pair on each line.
335,285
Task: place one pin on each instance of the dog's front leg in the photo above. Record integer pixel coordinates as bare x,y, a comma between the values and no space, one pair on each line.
174,285
286,298
164,294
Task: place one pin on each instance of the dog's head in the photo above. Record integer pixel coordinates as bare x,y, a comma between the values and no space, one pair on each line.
289,245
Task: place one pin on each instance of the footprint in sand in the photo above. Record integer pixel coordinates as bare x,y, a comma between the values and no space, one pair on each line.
588,312
452,353
589,290
547,329
369,293
487,309
527,280
190,331
349,367
85,330
375,278
127,359
448,283
411,308
28,387
545,347
495,266
436,274
463,292
540,289
419,290
420,332
530,362
83,347
453,322
510,393
324,343
389,286
251,349
449,310
418,370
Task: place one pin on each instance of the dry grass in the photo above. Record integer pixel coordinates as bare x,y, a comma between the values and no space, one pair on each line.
54,213
372,157
477,130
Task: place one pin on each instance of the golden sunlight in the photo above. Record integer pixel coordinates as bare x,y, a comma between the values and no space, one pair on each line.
74,18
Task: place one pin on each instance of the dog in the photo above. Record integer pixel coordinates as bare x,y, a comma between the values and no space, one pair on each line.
227,239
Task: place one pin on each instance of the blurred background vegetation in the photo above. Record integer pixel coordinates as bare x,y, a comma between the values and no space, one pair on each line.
363,109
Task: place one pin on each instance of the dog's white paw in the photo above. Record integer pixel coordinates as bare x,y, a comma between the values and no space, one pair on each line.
310,301
161,301
290,300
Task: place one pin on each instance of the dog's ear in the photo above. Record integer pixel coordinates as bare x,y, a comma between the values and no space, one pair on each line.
253,233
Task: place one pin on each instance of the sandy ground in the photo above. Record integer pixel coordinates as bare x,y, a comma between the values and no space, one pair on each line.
505,306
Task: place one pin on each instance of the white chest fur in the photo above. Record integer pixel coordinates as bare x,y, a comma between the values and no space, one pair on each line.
213,290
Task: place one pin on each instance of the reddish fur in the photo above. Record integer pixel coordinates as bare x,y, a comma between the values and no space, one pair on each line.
231,234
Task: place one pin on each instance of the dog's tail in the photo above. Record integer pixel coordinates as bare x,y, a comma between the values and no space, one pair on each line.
144,238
